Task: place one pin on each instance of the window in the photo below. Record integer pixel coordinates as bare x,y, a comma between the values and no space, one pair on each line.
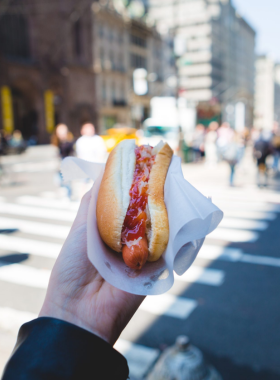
112,59
77,36
104,92
137,61
113,92
139,41
14,39
101,31
102,57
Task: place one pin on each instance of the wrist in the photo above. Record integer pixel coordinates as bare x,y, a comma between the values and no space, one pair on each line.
53,311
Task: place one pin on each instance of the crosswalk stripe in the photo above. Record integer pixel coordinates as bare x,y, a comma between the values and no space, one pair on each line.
139,358
34,247
243,224
25,275
33,167
50,203
170,305
35,228
213,252
233,235
14,209
250,214
206,276
248,195
261,260
254,206
234,254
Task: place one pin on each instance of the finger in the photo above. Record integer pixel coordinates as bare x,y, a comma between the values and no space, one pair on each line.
83,209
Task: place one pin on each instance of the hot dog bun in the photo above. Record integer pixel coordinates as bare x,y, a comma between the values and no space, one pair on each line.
113,198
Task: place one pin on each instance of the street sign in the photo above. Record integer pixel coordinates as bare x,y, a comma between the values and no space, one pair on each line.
7,109
49,110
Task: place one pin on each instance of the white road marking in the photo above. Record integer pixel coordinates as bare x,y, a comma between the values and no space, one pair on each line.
33,167
11,319
254,206
243,224
64,203
210,252
14,209
140,358
233,235
202,275
35,228
24,275
247,195
261,260
168,304
250,214
34,247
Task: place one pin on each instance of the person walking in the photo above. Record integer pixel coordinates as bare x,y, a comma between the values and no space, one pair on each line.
211,153
262,149
63,139
89,146
232,155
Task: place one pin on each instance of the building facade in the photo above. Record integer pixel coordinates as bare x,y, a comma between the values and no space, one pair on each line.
267,93
122,45
215,50
46,66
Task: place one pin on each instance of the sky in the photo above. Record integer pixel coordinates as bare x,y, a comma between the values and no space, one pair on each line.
264,16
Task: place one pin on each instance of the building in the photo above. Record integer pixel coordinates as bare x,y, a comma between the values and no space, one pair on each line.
215,49
267,93
121,45
277,93
46,66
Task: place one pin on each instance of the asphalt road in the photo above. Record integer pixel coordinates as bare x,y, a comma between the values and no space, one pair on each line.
228,303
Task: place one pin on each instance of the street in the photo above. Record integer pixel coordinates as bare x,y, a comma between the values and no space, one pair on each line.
227,302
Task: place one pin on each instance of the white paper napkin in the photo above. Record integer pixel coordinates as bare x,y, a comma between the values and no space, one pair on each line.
191,216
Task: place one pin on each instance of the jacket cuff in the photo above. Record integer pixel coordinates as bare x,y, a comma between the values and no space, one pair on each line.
49,348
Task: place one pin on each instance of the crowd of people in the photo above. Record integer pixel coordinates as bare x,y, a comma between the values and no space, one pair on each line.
222,143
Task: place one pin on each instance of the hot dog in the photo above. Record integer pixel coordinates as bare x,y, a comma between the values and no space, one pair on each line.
131,214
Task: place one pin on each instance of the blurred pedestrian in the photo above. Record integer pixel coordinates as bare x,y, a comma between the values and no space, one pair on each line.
225,135
17,142
89,146
211,154
232,154
3,142
63,139
262,149
276,148
198,142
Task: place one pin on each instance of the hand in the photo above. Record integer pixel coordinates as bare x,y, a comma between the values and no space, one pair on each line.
78,294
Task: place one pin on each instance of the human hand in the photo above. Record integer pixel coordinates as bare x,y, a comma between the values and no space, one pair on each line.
78,294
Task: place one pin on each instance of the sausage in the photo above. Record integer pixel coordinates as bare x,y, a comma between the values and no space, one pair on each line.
136,255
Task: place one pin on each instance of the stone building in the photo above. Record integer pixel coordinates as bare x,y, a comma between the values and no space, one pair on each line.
267,93
46,65
121,45
216,52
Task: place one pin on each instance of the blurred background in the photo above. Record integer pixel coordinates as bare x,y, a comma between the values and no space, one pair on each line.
79,76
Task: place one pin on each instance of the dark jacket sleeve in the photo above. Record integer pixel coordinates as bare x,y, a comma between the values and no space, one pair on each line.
52,349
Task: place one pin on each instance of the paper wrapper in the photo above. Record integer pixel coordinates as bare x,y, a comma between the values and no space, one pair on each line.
191,216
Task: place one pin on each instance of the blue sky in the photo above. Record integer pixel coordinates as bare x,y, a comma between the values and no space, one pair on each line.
264,16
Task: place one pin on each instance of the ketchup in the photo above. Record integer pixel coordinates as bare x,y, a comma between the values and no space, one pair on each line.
134,226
